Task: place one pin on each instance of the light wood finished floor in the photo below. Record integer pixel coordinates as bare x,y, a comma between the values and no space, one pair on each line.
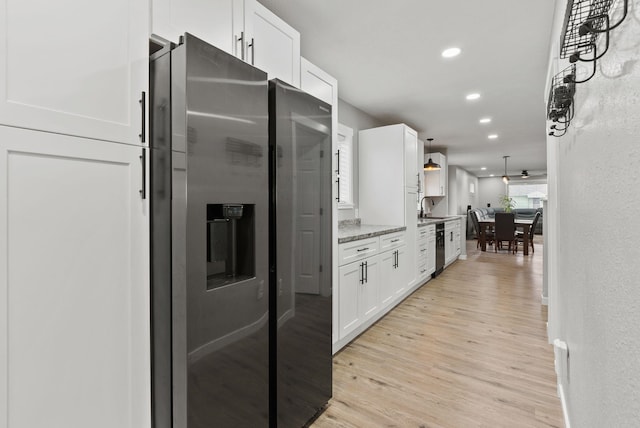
468,349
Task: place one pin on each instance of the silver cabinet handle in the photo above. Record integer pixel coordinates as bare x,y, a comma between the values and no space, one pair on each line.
395,240
241,40
363,249
252,45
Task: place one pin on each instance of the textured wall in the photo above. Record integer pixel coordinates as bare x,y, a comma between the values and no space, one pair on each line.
597,306
489,191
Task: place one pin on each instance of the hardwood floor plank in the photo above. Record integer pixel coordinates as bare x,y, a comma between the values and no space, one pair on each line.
468,349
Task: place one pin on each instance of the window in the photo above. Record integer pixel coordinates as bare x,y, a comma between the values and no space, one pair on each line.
528,195
344,167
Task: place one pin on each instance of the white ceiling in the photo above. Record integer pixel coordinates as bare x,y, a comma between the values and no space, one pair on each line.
386,56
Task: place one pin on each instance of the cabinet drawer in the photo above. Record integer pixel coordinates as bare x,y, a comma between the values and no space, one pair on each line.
431,230
357,250
422,268
422,252
392,240
423,232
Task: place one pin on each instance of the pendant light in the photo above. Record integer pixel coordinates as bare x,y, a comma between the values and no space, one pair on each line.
525,174
505,177
431,165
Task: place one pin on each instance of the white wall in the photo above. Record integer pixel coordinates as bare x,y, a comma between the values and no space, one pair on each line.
489,191
460,195
357,120
595,300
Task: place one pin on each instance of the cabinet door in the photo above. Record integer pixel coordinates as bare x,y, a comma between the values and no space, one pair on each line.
370,288
74,67
431,255
410,159
74,294
350,278
387,271
273,45
401,272
218,22
420,168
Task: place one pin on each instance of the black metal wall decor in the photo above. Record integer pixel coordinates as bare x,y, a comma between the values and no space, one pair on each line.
560,105
584,21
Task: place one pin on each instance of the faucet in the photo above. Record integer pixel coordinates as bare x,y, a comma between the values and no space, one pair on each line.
421,208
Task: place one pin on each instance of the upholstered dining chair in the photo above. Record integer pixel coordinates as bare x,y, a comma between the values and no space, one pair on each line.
505,230
476,225
519,234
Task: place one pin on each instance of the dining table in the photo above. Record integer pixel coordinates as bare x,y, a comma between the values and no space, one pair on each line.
488,223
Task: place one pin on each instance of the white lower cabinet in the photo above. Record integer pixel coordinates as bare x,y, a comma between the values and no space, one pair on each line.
387,268
400,273
431,253
359,293
373,277
393,275
425,254
370,287
74,294
451,241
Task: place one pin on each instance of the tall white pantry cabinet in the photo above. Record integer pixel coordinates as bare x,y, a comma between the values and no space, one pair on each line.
74,283
389,177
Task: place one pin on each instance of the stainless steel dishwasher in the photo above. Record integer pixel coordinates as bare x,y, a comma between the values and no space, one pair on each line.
439,249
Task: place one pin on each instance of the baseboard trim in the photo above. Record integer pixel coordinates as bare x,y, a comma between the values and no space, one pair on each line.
544,300
563,402
462,257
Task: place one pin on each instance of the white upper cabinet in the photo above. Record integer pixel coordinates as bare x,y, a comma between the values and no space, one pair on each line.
75,67
318,83
436,181
410,155
420,168
243,28
218,22
387,171
273,45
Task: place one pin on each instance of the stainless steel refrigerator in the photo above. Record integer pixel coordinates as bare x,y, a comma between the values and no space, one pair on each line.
241,252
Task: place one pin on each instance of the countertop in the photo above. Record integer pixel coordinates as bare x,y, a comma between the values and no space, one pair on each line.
354,232
432,220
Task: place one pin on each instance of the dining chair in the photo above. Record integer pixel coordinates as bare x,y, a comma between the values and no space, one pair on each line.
519,234
505,230
476,225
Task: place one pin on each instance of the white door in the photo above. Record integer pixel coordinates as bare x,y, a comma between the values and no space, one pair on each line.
370,288
431,255
74,294
410,159
75,67
387,270
309,159
217,22
348,296
273,45
401,272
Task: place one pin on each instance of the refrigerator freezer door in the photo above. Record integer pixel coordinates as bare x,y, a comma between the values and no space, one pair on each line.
300,150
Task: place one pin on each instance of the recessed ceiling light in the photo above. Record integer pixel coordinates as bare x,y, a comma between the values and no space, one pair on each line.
451,52
492,136
492,175
485,120
484,168
473,96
